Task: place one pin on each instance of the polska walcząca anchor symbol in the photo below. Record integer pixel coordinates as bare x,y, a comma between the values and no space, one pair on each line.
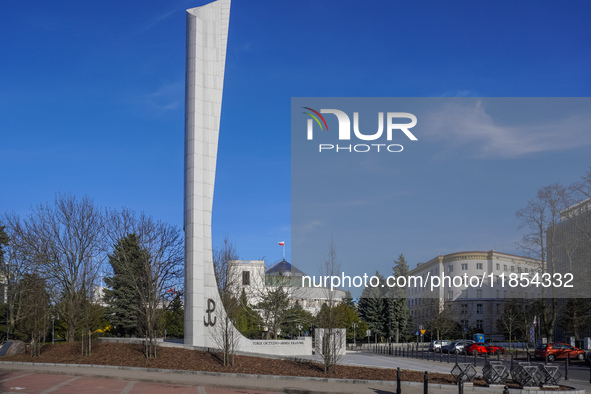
210,309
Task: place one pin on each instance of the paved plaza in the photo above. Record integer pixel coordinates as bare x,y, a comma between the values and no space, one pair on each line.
52,378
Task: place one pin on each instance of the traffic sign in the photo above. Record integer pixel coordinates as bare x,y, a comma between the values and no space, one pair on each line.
423,332
368,332
417,333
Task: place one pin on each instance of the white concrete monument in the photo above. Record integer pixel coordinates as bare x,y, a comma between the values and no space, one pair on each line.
207,35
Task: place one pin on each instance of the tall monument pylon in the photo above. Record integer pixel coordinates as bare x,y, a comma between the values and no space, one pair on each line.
207,36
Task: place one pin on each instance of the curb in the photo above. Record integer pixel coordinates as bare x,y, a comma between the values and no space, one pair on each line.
257,377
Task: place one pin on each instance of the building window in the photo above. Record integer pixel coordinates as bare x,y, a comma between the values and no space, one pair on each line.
450,268
498,267
512,268
450,295
519,269
479,293
525,269
479,324
464,267
245,278
436,271
464,309
478,266
505,267
479,309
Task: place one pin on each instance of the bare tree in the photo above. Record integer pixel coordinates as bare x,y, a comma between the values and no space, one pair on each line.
67,240
517,316
34,304
225,334
332,349
541,217
441,323
162,271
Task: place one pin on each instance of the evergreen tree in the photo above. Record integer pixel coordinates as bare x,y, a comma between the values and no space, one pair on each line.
373,308
399,310
348,300
273,306
174,318
248,321
121,296
3,243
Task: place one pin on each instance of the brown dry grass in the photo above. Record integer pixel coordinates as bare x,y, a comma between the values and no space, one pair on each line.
192,360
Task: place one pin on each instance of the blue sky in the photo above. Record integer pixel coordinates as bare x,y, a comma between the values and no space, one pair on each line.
92,101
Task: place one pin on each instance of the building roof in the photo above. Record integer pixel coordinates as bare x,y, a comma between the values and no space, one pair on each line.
284,268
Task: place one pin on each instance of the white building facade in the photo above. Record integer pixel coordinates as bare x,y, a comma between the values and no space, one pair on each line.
472,287
253,277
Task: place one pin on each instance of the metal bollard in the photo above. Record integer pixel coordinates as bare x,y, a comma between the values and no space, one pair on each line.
474,355
398,389
486,358
511,363
461,384
440,356
426,383
545,359
498,356
566,365
506,390
448,356
528,357
456,358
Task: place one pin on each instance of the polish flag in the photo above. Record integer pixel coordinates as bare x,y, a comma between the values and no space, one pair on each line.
282,243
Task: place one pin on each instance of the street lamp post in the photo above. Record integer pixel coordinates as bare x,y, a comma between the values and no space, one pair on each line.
52,329
7,299
354,332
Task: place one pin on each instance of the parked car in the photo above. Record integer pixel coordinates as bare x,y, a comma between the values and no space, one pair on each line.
484,348
559,350
435,346
459,345
446,348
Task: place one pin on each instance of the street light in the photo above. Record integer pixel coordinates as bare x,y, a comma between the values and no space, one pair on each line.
7,299
53,317
354,327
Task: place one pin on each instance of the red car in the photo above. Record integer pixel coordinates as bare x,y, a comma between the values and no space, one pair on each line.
484,348
559,350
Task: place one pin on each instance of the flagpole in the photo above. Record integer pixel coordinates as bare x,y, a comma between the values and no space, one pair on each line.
282,243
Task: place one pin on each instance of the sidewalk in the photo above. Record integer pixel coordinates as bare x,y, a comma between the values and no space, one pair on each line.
245,382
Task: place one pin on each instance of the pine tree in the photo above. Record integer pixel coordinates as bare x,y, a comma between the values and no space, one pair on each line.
3,242
122,298
399,311
174,322
373,308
